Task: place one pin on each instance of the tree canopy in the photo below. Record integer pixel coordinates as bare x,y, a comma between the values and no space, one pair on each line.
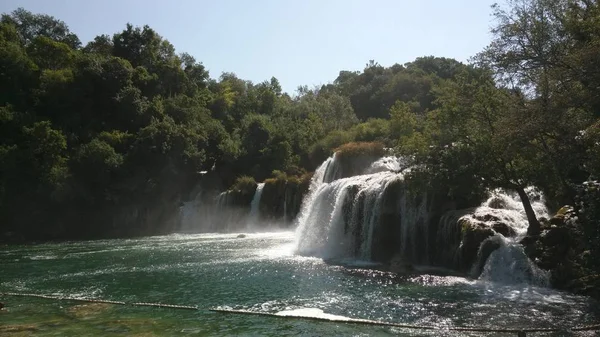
107,138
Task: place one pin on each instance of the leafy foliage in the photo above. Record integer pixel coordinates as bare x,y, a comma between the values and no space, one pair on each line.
109,138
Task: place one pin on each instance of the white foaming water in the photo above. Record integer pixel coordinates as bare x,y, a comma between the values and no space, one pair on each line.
385,164
315,183
325,230
339,217
254,216
191,211
314,313
507,207
509,264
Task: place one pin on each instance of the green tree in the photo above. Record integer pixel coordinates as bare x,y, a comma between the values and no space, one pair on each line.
31,26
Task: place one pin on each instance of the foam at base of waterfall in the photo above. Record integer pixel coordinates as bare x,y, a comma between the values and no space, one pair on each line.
510,265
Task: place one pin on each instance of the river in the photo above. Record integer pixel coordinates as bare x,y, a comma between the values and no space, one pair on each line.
260,273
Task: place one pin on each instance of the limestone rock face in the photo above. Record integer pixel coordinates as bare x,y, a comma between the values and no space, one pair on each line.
473,235
281,199
561,249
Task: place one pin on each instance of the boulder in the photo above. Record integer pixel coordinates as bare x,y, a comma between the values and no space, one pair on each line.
587,285
561,249
497,203
485,250
473,235
503,229
487,218
555,236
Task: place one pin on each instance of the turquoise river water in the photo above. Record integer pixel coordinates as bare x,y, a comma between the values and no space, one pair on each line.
259,273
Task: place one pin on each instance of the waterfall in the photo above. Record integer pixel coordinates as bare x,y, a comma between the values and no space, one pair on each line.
510,265
316,181
374,216
254,216
384,164
201,213
190,213
328,232
501,223
346,217
285,201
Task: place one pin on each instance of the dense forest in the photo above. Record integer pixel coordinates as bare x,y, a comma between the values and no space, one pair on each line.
107,138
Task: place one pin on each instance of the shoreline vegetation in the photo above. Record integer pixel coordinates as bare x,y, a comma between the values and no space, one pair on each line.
107,139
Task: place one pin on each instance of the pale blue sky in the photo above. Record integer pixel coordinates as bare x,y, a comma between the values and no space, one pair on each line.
300,42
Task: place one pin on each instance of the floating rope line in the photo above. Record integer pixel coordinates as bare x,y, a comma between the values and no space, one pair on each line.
92,300
519,332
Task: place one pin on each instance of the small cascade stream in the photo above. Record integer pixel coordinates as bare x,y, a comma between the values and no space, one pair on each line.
254,216
509,264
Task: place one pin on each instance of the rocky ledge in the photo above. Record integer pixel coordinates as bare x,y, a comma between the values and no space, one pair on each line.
561,249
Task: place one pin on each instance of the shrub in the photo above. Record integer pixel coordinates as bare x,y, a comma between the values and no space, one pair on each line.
358,149
244,184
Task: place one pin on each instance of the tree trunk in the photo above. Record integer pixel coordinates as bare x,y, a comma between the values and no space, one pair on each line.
534,224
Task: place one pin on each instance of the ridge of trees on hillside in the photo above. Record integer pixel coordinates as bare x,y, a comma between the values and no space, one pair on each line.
124,123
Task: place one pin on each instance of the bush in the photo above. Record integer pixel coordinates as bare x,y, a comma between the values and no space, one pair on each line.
358,149
373,130
244,184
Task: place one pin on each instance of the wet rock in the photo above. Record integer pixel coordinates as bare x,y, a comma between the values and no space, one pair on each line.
503,229
486,249
282,197
555,236
88,309
473,235
561,249
497,203
241,236
587,285
487,218
387,233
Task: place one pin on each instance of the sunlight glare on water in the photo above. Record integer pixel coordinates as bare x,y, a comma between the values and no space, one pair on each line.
257,272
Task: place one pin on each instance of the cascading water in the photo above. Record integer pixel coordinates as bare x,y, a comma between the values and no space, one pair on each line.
385,164
254,216
345,217
509,263
198,214
374,217
205,214
501,222
190,212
